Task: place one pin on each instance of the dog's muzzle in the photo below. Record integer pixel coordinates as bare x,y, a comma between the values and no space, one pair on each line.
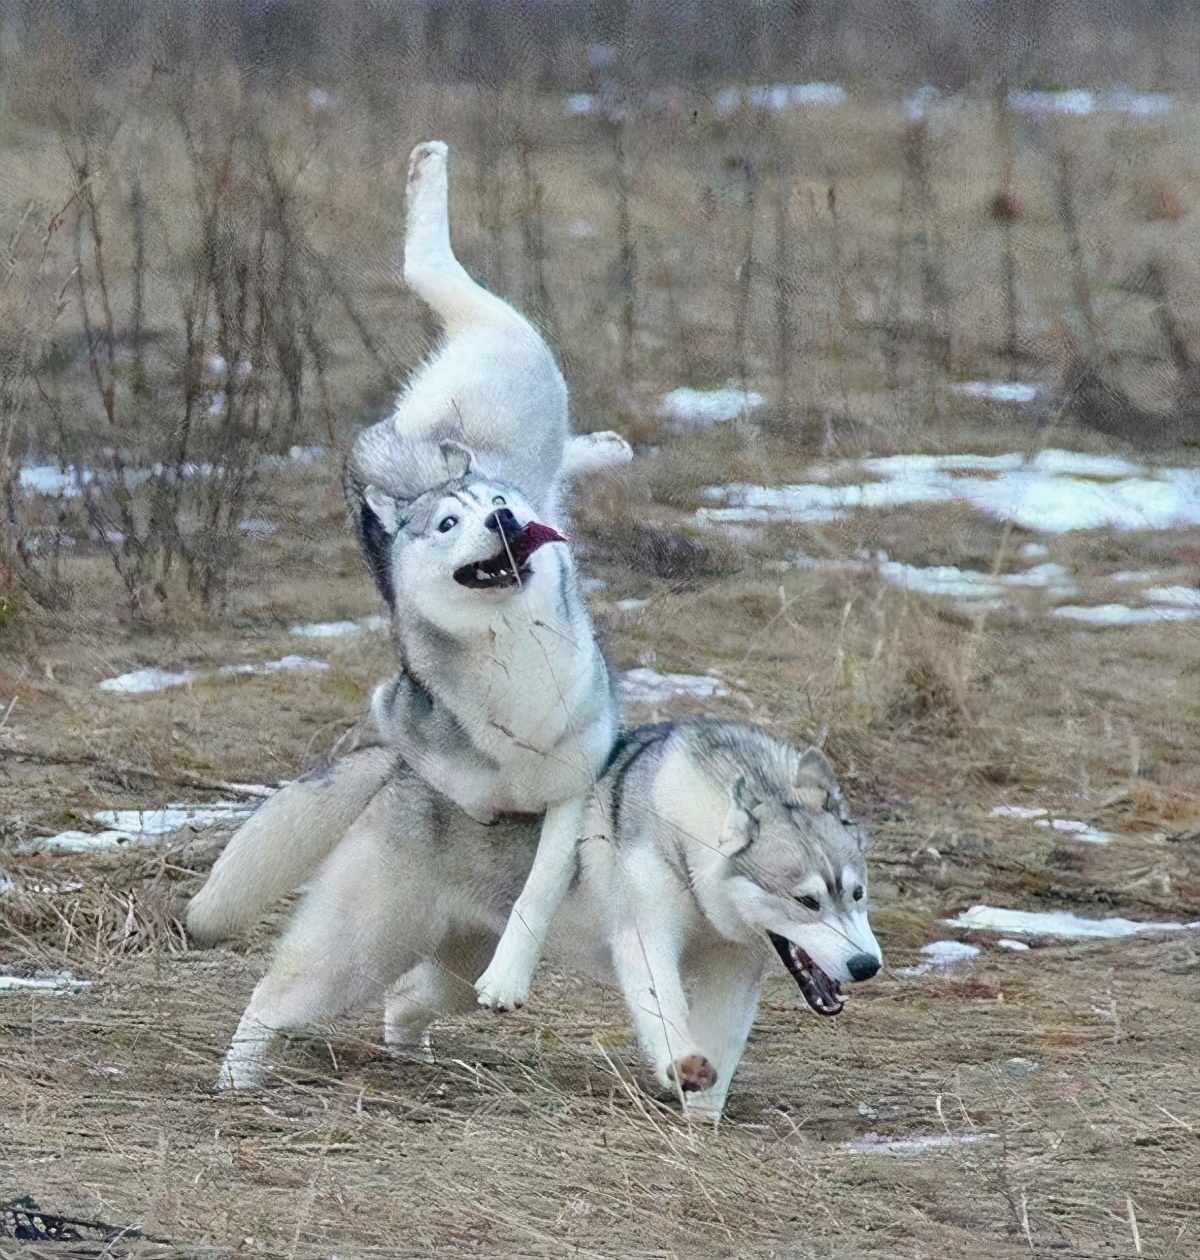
823,994
510,564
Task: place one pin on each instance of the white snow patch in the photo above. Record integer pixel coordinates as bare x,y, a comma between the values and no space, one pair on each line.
1122,615
140,681
1034,551
632,605
997,391
1017,947
648,686
339,629
879,1144
699,408
54,982
1055,923
1019,811
1132,575
1179,596
777,97
1054,492
954,583
943,956
1076,102
581,105
1076,830
131,826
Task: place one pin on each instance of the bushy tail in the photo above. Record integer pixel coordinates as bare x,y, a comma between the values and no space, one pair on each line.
282,842
430,267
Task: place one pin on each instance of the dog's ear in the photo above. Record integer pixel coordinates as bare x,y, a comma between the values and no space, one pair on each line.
456,458
815,783
740,828
379,521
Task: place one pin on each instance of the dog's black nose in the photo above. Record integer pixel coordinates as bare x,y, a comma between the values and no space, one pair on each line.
503,522
862,967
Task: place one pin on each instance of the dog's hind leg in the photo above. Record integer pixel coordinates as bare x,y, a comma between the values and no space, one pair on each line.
434,989
725,992
430,267
355,931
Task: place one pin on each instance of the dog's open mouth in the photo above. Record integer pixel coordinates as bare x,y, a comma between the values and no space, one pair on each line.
820,992
508,566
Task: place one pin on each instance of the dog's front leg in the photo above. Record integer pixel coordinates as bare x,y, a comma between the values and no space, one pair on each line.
505,984
646,960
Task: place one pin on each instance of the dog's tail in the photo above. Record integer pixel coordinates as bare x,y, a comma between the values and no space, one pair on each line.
430,267
281,843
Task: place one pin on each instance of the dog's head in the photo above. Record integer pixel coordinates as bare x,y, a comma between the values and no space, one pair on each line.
796,872
435,532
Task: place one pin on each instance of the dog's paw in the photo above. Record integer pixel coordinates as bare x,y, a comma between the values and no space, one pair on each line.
693,1072
594,452
425,160
503,988
238,1073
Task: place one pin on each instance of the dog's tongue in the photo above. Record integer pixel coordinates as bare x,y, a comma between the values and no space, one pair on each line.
529,538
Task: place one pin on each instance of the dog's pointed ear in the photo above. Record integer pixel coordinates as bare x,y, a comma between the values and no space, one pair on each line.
385,507
457,458
378,518
815,783
740,828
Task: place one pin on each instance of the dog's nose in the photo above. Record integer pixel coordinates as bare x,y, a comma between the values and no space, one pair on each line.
862,966
503,522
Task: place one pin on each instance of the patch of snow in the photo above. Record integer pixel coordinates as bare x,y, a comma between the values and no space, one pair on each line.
1054,492
150,679
943,956
920,103
1121,615
170,818
954,583
1055,923
1132,575
581,105
997,391
1018,947
54,982
590,585
699,408
257,528
77,842
777,97
1019,811
1076,830
1075,103
1180,596
648,686
140,681
878,1144
1034,551
339,629
632,605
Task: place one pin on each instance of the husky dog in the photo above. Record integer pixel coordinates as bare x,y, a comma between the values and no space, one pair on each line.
503,701
709,845
493,385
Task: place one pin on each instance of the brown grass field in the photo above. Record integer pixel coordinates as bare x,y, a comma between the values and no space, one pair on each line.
1070,1072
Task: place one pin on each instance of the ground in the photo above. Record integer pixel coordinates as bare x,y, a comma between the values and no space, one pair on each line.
1054,1088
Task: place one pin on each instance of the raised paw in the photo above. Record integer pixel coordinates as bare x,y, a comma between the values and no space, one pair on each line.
693,1072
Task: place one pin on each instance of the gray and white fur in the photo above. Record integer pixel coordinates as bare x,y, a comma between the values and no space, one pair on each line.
710,849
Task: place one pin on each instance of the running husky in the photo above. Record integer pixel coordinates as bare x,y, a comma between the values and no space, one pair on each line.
493,386
503,701
708,844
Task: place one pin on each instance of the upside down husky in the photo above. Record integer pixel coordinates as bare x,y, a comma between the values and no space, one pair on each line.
708,844
503,701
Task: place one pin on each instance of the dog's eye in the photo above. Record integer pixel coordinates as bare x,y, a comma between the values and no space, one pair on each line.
446,524
809,903
857,894
498,501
